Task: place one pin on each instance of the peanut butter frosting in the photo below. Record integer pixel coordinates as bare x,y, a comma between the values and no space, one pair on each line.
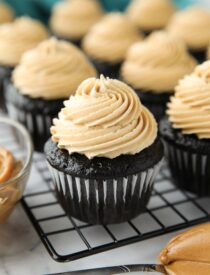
73,18
189,109
6,13
53,70
188,253
18,37
150,15
157,63
104,119
110,38
193,26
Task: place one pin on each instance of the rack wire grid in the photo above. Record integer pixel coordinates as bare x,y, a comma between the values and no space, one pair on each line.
67,239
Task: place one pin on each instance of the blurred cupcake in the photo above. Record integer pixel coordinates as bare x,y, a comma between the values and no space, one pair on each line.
72,19
150,15
16,38
187,132
6,13
104,153
153,68
46,76
193,26
107,42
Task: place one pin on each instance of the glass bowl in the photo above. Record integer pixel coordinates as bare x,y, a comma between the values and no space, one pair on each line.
14,138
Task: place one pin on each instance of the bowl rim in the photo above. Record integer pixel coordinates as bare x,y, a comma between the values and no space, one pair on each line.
29,145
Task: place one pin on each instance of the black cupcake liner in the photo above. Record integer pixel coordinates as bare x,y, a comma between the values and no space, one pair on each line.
104,201
5,73
76,42
156,103
107,69
35,114
190,170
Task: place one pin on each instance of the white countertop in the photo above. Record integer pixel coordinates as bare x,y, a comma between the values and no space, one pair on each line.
22,253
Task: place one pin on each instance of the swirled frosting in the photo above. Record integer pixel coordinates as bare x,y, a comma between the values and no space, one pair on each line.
193,26
157,63
150,15
110,38
189,109
6,13
18,37
73,19
52,70
104,119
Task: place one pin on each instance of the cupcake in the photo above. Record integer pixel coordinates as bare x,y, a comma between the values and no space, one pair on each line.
46,75
71,20
107,42
150,15
153,68
15,39
193,26
104,153
186,132
6,13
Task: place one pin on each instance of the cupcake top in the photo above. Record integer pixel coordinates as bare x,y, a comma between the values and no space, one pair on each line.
52,70
110,38
6,13
193,26
104,119
73,18
18,37
189,108
188,253
157,63
150,15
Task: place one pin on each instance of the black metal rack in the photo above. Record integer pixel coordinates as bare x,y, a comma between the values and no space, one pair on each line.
67,239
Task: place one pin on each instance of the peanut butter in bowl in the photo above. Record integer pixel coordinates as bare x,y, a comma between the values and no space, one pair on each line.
9,193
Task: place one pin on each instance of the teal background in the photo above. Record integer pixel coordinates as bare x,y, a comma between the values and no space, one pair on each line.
41,8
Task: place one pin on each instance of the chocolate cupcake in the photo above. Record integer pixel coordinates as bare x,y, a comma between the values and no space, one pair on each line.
16,38
6,13
46,76
104,153
71,20
186,132
193,27
153,68
150,15
107,42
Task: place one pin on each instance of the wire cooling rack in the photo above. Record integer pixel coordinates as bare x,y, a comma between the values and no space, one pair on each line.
67,239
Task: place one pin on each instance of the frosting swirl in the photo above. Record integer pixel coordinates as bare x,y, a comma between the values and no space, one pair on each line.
74,18
157,63
18,37
189,109
110,38
6,13
52,70
104,119
192,26
150,14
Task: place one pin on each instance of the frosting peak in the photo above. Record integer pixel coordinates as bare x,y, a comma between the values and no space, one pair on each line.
18,37
150,14
192,26
104,119
52,70
74,18
110,38
157,63
6,13
189,109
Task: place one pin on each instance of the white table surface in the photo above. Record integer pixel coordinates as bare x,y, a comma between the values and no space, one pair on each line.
22,253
